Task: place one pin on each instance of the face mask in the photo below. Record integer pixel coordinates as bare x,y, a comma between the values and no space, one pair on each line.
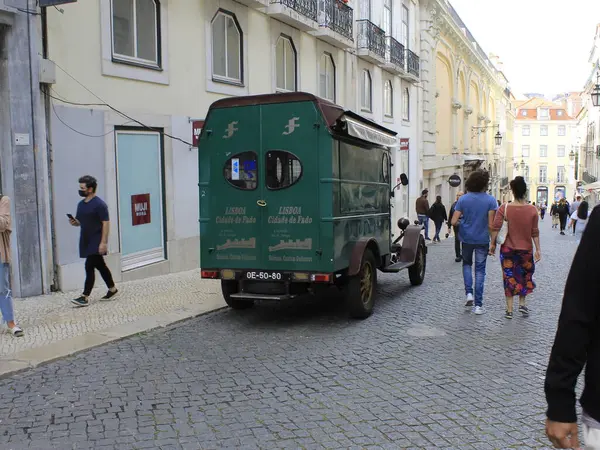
82,193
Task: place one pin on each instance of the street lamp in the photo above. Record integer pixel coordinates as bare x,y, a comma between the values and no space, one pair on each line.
498,139
523,164
572,155
596,91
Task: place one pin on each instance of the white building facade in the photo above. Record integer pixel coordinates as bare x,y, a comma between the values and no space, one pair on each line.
135,78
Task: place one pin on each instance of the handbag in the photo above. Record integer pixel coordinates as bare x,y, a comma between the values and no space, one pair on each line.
501,236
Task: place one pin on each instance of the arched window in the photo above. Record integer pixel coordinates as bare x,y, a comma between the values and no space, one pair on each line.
388,98
327,77
286,64
365,91
406,105
135,31
283,169
226,48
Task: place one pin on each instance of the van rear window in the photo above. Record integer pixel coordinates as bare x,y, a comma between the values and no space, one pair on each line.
241,171
283,169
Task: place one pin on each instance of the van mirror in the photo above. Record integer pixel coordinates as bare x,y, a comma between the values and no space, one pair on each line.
403,179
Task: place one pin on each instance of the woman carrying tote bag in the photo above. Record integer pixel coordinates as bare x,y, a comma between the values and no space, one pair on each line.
517,256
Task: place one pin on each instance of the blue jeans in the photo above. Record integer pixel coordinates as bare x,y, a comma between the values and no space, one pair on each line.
6,301
481,254
424,220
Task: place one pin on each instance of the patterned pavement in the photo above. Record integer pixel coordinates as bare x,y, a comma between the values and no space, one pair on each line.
420,373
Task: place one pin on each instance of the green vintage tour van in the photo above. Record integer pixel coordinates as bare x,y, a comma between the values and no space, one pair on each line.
295,197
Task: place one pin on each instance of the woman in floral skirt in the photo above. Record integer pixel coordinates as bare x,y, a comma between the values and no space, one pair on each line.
517,255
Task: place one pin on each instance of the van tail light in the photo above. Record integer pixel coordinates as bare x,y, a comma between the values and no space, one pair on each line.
320,277
210,274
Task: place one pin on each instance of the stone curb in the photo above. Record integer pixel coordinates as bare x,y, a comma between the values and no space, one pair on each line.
34,357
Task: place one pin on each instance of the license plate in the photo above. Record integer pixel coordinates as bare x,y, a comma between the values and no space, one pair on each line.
265,275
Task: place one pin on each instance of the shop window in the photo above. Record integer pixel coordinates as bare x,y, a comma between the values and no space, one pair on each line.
283,169
241,171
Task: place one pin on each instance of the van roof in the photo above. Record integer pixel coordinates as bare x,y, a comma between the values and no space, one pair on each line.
330,111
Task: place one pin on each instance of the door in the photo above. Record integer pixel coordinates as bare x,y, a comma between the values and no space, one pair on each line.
290,196
140,195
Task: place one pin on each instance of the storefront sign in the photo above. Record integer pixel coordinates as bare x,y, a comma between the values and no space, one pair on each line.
140,209
197,126
404,144
454,180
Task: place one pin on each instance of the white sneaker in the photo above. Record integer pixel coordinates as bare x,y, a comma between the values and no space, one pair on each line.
478,310
470,300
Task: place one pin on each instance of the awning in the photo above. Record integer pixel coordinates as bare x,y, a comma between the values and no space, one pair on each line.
592,186
368,133
473,158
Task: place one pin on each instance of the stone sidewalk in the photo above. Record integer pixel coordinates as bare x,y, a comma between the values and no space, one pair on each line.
55,328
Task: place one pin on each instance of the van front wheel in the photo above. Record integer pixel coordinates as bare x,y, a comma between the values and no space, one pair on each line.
231,287
360,290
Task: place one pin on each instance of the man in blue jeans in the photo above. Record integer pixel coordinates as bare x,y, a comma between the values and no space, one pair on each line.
475,211
422,209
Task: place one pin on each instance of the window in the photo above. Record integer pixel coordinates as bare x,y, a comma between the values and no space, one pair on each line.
543,151
241,171
365,9
543,174
226,48
385,169
327,77
560,174
562,130
283,169
135,35
387,17
525,130
544,113
561,152
543,130
405,29
523,112
406,105
365,91
286,64
525,150
559,112
388,98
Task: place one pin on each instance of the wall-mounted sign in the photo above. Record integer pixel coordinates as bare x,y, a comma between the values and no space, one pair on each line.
46,3
197,126
140,209
404,144
454,180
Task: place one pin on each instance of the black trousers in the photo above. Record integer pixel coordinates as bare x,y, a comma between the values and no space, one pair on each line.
563,221
92,263
456,242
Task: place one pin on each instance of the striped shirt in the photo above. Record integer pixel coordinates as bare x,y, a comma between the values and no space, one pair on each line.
5,229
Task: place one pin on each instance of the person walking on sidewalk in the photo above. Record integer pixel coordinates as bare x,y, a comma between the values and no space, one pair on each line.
579,219
437,213
458,255
543,210
475,210
516,253
6,301
576,344
563,213
92,217
554,214
422,207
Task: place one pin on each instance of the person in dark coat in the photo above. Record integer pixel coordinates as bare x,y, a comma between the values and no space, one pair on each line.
455,229
437,213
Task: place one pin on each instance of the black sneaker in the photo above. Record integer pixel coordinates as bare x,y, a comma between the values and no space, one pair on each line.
80,301
508,315
110,294
458,259
524,310
427,239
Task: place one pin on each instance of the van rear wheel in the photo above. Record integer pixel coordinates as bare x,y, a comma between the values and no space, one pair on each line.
416,272
360,290
229,287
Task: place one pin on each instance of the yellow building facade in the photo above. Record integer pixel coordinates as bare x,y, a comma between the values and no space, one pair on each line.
472,104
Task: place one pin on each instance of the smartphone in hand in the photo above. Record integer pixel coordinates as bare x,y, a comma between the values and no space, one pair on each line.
70,216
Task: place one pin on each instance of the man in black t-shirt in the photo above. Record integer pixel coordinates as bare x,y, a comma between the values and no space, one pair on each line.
92,217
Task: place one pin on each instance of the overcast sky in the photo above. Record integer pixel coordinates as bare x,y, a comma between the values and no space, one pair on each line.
544,44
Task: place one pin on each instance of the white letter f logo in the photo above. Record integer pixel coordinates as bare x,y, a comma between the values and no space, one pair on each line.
291,126
230,130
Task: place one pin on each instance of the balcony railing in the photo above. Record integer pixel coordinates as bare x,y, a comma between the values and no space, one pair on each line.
370,37
337,16
307,8
588,177
394,52
412,62
503,181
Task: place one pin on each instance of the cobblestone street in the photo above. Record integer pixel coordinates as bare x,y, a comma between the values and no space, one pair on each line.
420,373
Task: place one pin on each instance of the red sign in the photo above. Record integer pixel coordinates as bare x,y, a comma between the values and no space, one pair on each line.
140,209
404,144
197,126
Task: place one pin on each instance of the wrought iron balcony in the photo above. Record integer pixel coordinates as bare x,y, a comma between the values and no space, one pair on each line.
412,63
306,8
337,16
394,52
588,177
370,40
